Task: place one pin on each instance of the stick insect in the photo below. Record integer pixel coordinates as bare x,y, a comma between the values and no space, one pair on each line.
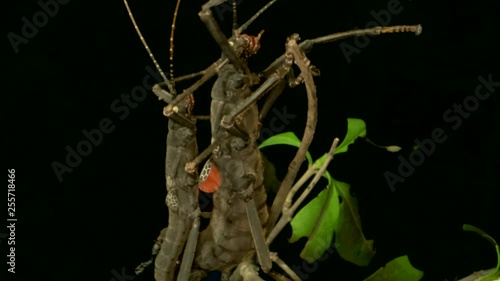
240,219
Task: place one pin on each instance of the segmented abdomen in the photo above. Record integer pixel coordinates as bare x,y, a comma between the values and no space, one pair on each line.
228,237
181,187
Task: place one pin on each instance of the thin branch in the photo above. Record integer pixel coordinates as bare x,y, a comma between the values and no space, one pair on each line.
312,118
289,211
284,266
281,224
316,178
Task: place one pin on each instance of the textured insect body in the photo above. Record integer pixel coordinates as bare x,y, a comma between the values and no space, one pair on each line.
181,187
228,237
235,170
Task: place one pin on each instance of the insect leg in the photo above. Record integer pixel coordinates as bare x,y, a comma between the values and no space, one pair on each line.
302,62
208,19
182,193
308,44
271,98
208,73
273,80
189,251
278,89
154,252
261,249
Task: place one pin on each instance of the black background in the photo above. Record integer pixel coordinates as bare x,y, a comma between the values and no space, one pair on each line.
105,214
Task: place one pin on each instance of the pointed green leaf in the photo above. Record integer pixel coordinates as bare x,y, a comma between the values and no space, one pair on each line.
350,241
325,215
355,128
396,270
340,218
288,138
315,221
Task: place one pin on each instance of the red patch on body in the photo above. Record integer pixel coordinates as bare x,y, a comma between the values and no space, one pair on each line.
209,178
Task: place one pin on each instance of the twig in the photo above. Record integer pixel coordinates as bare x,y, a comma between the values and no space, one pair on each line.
312,118
316,178
284,266
289,211
278,227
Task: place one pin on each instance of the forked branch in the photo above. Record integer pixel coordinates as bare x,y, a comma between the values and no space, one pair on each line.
312,118
288,208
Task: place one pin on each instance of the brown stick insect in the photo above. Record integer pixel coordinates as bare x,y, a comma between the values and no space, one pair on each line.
240,220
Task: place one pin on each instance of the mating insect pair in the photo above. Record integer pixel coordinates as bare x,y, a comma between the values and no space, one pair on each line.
240,218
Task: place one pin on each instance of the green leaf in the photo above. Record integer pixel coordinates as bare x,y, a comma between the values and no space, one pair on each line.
288,138
325,215
350,241
396,270
316,221
339,218
355,128
495,275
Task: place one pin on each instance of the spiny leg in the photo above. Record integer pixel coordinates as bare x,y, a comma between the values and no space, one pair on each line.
274,79
293,55
280,86
206,16
274,84
303,63
308,44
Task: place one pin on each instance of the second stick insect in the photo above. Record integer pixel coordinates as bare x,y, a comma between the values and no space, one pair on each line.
240,218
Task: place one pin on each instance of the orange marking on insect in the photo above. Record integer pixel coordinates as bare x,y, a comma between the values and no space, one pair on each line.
209,178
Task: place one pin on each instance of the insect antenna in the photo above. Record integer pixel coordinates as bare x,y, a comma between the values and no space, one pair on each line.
254,17
157,65
235,20
173,92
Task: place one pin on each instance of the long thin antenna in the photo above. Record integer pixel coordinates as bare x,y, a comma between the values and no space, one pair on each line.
172,47
157,65
235,17
254,17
